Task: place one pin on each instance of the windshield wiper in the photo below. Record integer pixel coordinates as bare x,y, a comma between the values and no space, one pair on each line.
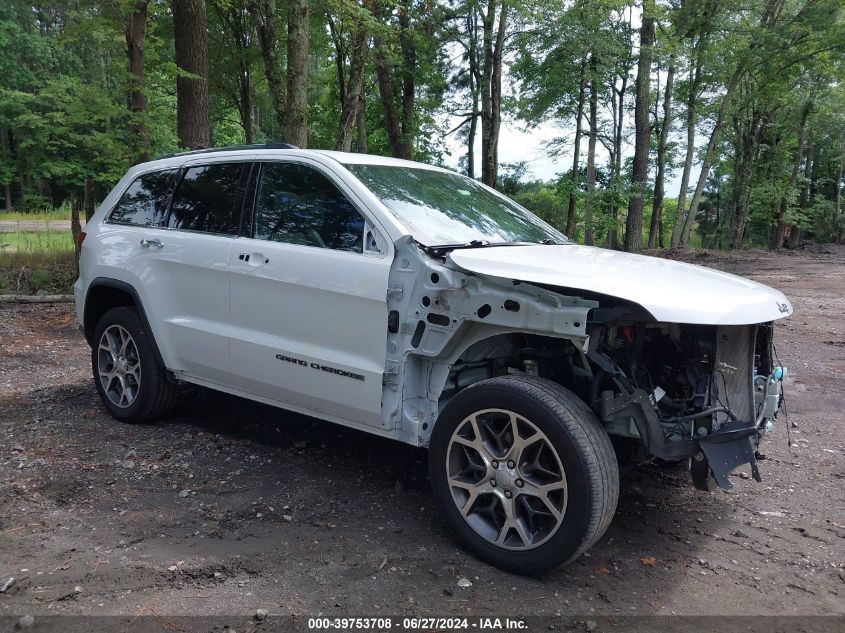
439,250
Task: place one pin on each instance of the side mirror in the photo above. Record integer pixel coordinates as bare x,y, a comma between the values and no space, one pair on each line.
373,241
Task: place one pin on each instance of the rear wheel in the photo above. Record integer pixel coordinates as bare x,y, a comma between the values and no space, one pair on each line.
524,473
131,382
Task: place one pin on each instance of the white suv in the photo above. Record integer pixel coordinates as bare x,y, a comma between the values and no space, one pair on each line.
414,303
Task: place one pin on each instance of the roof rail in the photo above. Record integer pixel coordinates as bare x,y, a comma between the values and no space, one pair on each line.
232,148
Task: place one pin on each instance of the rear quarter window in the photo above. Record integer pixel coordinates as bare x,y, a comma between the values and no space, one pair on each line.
144,203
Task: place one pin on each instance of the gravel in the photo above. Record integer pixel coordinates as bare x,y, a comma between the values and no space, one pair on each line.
72,515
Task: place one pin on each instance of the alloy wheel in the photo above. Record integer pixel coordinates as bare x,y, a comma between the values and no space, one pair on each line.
119,366
506,479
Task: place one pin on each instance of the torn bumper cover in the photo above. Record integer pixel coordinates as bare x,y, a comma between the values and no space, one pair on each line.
729,447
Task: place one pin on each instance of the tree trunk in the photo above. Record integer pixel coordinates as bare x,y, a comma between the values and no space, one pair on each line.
191,42
491,88
136,29
746,158
654,232
642,132
840,212
7,154
692,100
296,128
340,53
591,159
804,198
576,150
399,132
361,124
709,155
385,88
777,237
616,167
264,16
474,82
409,75
471,134
23,181
245,101
88,204
75,228
353,99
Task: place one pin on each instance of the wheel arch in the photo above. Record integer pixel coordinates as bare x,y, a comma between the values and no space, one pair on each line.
104,294
432,374
488,338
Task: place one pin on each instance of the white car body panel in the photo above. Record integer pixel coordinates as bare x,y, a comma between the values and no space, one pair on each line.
298,302
673,292
106,260
221,322
184,286
318,307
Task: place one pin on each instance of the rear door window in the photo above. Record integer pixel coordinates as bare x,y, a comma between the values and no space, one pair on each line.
145,201
298,205
208,199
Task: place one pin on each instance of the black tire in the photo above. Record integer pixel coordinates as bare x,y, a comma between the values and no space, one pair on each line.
700,473
156,395
585,452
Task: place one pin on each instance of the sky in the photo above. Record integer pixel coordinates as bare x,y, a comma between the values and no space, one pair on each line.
517,144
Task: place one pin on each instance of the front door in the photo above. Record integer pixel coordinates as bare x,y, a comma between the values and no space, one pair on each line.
308,297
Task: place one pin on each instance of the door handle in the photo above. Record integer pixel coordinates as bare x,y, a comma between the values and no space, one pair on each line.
255,258
147,243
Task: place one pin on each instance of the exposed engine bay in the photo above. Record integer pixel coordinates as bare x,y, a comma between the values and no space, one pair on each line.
664,391
704,392
704,388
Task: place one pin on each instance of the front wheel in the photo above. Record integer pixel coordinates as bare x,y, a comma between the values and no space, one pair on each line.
523,472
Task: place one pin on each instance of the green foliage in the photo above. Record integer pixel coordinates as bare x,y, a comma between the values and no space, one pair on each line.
34,273
40,279
64,85
33,242
545,201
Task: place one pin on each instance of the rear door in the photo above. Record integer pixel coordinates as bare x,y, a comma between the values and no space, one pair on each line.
308,288
181,269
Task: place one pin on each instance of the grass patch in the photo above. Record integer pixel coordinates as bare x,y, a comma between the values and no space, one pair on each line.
40,262
37,273
62,213
36,242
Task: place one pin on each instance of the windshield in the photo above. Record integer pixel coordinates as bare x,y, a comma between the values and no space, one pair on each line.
445,208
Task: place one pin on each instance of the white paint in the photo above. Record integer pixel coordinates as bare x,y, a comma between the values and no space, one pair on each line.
671,291
224,322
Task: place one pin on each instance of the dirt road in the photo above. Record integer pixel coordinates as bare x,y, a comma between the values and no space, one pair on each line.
34,226
230,506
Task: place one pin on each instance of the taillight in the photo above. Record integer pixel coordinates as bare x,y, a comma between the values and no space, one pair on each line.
79,239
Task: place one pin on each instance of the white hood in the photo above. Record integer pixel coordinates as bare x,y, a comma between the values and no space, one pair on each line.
673,292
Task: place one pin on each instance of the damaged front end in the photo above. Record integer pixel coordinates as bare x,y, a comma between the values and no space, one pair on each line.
703,393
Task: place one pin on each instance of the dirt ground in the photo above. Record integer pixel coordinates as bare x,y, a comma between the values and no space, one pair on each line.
229,506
